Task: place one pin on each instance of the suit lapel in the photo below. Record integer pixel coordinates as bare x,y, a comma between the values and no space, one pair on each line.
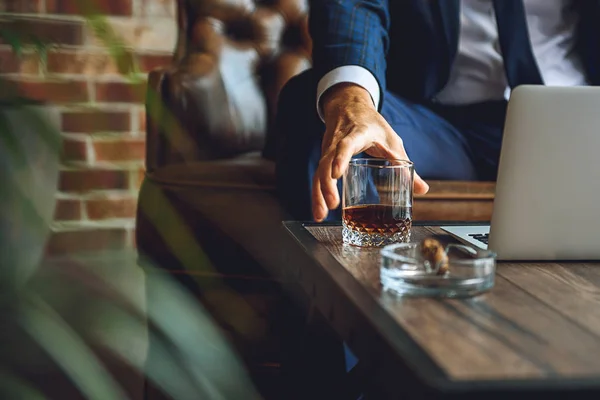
449,11
589,38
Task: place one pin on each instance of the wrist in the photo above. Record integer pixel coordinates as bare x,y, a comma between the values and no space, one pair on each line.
342,95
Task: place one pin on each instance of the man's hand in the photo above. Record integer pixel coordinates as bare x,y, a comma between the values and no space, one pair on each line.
353,125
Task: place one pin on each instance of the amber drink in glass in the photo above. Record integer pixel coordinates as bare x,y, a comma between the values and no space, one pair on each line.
377,201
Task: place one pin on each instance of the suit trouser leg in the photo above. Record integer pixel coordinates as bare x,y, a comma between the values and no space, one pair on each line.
437,148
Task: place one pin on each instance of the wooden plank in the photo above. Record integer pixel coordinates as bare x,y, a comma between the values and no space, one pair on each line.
459,190
426,209
573,289
524,328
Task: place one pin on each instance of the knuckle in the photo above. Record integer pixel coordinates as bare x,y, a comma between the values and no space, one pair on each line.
345,142
325,155
332,144
392,137
336,133
321,166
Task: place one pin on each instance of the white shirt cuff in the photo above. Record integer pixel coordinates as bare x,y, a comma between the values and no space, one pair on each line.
348,73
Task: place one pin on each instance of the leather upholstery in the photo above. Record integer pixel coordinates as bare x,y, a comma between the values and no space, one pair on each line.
232,59
248,171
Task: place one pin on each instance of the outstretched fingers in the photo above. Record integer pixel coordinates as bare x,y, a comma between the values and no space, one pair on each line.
397,151
354,143
325,193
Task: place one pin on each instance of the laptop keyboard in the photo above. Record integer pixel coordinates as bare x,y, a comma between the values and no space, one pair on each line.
483,238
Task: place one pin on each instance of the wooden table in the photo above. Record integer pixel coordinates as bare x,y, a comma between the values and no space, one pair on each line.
537,332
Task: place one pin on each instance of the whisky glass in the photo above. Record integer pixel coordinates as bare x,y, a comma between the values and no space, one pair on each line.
377,198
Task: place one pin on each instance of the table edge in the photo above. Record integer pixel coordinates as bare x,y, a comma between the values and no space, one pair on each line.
431,374
353,290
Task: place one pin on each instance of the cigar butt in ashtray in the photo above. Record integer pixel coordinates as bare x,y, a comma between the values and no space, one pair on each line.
435,253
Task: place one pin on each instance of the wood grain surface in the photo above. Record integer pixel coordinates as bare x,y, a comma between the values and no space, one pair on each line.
540,321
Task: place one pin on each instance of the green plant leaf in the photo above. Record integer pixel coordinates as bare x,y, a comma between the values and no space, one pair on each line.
21,40
42,49
68,350
11,38
13,387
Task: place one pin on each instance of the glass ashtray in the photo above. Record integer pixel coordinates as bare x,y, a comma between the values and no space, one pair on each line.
406,272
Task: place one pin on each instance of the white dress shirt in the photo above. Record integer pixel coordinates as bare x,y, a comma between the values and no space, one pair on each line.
477,73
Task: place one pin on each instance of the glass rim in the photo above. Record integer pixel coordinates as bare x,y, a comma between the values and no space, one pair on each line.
372,162
388,252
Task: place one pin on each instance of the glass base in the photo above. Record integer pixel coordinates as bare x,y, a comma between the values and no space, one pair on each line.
436,287
373,239
405,272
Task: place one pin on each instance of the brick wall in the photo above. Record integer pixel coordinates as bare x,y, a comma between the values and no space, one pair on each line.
102,112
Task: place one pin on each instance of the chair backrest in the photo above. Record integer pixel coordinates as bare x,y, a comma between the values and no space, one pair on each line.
233,57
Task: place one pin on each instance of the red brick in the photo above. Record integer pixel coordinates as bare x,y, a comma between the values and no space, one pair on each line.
89,63
92,179
67,210
74,150
86,240
78,7
11,63
149,62
96,121
20,6
120,92
58,32
120,150
142,120
53,92
106,208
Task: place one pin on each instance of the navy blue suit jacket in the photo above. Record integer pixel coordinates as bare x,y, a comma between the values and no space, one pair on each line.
409,45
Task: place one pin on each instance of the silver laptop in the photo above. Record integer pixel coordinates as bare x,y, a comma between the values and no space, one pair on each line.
547,202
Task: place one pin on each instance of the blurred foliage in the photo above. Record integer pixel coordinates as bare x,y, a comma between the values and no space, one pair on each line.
21,40
68,321
80,316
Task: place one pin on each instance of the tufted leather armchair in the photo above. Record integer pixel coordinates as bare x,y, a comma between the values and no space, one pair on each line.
210,178
232,59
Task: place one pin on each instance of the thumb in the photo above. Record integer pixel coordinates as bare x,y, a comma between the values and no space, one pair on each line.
420,186
397,151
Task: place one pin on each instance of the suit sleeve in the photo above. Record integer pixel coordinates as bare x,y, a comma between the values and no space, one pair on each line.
350,32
